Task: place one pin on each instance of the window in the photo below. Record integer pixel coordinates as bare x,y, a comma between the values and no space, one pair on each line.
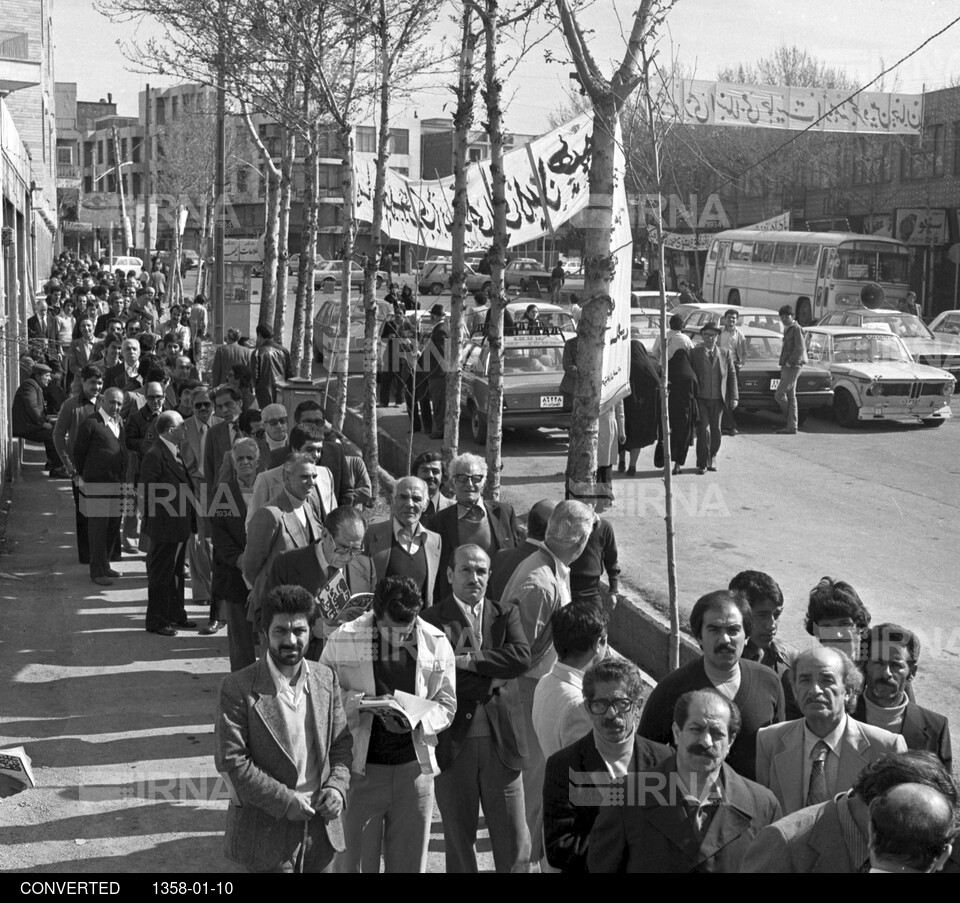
741,250
161,111
763,252
88,153
402,171
137,190
400,141
366,139
88,184
136,145
65,155
923,159
111,183
187,102
328,144
934,140
330,180
174,104
807,256
476,154
785,254
242,180
714,246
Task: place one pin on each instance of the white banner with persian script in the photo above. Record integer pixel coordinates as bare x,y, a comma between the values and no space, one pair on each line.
779,223
777,107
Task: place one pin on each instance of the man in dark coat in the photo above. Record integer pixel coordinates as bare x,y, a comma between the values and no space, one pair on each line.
228,355
271,366
169,519
100,456
481,753
29,418
435,369
507,560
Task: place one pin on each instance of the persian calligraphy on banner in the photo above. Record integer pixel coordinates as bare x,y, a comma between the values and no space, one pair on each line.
780,223
687,241
777,107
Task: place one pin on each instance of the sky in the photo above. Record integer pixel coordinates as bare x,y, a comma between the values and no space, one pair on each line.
703,35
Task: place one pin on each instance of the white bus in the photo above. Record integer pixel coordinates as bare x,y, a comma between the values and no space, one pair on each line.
815,272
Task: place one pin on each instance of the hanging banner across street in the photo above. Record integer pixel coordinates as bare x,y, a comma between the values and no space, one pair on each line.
777,107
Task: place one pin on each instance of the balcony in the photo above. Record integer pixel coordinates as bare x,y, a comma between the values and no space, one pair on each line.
68,171
17,70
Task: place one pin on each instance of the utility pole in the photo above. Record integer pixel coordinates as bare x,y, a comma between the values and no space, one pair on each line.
125,223
147,183
219,268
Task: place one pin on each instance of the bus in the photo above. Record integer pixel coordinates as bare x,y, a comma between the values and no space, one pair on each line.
815,272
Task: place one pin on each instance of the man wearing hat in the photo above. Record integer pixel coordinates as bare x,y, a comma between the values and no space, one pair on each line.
29,416
434,367
717,378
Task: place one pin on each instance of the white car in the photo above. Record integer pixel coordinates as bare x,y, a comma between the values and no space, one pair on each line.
875,378
327,276
125,264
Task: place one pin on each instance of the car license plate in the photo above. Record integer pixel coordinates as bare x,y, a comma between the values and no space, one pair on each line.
551,401
878,412
774,384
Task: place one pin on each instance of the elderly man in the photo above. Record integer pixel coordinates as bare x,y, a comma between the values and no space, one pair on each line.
75,410
506,561
481,753
720,622
599,557
539,587
288,521
430,468
717,382
275,422
282,741
306,441
580,641
580,776
833,836
809,760
912,830
100,456
891,654
693,812
402,546
29,418
383,652
169,520
228,514
474,521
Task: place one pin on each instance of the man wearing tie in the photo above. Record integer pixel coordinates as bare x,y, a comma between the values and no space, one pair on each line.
430,468
169,520
227,400
717,378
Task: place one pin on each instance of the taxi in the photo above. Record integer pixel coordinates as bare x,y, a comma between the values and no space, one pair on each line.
532,372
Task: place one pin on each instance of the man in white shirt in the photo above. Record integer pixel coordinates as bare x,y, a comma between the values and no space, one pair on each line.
675,339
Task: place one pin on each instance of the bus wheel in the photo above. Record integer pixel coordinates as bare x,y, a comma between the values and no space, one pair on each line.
733,299
804,317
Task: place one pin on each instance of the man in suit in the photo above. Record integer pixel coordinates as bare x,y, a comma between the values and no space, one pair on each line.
126,372
480,755
717,379
579,777
287,521
539,587
693,812
77,408
274,417
283,743
307,442
833,837
227,400
402,546
42,326
720,622
29,418
793,355
228,355
435,367
912,830
506,561
100,456
196,432
271,366
228,514
891,655
810,760
169,520
490,525
430,468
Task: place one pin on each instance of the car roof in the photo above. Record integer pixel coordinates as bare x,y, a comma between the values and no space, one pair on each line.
696,305
849,330
543,306
645,311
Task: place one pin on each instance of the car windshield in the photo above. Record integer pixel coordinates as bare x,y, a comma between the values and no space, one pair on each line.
906,326
762,321
862,349
524,361
764,348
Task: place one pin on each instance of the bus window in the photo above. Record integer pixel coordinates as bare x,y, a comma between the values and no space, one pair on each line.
741,250
823,263
785,254
807,256
714,246
763,252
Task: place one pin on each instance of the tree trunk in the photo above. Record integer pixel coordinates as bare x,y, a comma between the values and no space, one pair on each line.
498,300
283,244
342,361
271,237
175,285
204,235
301,345
462,120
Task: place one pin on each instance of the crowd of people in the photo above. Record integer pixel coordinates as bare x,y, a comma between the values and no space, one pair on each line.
445,655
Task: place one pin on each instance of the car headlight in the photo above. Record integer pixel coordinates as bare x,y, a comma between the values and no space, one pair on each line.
949,388
874,389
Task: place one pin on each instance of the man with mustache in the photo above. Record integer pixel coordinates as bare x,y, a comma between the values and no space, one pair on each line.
283,743
811,759
692,813
720,622
429,467
891,656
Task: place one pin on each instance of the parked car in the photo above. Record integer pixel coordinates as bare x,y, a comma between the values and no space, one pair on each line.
759,377
572,266
327,276
875,378
434,278
647,320
925,346
125,264
696,316
551,316
947,323
524,273
532,372
651,300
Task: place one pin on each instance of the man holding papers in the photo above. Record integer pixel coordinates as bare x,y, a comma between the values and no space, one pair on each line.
391,651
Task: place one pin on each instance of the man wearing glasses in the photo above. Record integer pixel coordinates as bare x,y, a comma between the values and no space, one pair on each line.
275,438
579,777
402,546
490,525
